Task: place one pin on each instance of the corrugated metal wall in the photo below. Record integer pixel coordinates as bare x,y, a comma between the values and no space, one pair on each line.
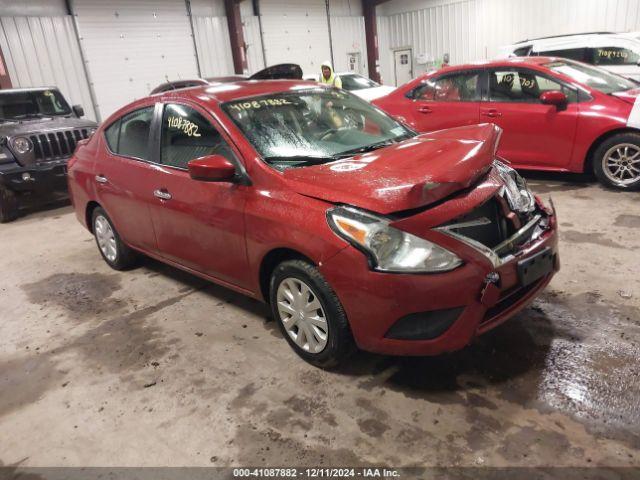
347,36
474,29
255,58
213,45
44,51
132,46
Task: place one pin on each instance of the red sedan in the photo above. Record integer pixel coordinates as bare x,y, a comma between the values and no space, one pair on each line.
556,114
356,230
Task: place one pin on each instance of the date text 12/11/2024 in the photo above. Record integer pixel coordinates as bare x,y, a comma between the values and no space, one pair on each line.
315,473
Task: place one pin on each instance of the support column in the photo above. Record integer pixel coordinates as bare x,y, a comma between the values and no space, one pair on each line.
371,36
236,36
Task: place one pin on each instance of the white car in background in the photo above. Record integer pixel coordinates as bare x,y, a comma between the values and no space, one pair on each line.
359,85
616,52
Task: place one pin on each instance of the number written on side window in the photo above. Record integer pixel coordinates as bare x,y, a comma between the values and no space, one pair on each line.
524,87
186,135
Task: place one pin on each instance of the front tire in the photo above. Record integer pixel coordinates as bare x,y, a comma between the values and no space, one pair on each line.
117,255
616,162
309,314
8,206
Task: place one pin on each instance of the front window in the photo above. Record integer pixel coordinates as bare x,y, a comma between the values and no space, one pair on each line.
18,105
310,126
593,77
524,86
356,82
187,135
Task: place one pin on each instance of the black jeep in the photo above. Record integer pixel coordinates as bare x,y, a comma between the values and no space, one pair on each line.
38,134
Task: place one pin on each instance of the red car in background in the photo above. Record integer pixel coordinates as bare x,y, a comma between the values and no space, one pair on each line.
556,114
354,229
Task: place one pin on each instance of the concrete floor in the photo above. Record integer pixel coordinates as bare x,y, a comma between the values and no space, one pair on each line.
156,367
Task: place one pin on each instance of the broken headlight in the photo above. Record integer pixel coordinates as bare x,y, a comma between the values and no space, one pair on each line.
389,249
516,191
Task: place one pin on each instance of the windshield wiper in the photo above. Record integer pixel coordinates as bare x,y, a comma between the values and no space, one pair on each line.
366,148
300,159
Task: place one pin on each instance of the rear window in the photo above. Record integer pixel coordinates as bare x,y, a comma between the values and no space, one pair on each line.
594,77
610,56
129,136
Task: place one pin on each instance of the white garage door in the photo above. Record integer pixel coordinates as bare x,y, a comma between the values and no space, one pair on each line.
134,45
296,32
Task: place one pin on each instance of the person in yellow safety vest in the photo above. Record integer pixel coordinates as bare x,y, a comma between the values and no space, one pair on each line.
327,76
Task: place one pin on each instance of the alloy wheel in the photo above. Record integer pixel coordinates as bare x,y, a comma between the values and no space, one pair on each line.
302,315
106,238
621,164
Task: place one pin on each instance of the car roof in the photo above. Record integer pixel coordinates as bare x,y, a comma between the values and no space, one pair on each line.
502,62
227,92
570,35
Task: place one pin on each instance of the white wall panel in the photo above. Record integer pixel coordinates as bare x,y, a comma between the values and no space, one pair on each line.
33,8
132,46
213,46
207,8
347,36
251,30
296,32
44,51
475,29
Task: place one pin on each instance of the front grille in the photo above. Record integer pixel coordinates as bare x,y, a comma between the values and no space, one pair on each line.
57,144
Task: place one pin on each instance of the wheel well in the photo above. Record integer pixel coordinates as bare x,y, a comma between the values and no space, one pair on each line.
588,162
271,260
91,206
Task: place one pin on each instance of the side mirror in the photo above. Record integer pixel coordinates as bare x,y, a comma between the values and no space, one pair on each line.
78,110
554,97
212,168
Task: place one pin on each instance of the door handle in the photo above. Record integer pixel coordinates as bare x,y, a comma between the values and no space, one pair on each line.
492,112
162,194
424,109
101,179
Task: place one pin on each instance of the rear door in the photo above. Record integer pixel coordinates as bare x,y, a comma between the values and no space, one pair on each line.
451,100
199,225
123,177
534,134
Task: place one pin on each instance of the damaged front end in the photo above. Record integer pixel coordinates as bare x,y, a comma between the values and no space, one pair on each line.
506,222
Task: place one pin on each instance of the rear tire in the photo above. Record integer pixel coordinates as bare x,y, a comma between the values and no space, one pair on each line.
616,162
8,206
305,305
117,255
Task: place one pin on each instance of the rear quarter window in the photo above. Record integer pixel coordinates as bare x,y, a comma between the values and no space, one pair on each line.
111,135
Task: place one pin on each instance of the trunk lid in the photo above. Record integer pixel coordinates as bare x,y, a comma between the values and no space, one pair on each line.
411,174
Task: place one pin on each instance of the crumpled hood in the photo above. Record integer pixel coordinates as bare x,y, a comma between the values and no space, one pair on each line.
36,125
410,174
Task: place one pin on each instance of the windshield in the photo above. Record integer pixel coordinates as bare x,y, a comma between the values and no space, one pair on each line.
311,126
593,77
356,82
18,105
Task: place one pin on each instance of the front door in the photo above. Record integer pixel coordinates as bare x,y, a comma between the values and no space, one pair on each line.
199,225
403,66
534,134
448,101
